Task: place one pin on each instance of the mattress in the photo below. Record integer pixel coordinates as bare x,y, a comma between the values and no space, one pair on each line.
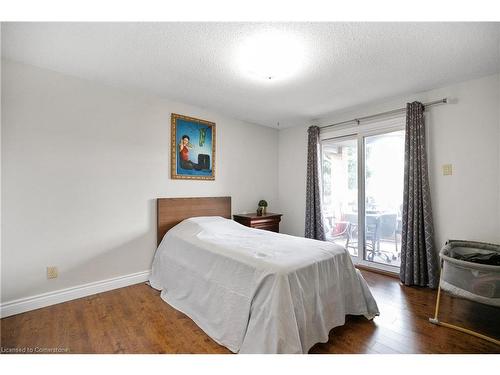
255,291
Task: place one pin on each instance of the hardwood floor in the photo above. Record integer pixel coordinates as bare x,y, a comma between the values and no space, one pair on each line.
135,320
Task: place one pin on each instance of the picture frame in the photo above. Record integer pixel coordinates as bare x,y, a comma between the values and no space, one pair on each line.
192,148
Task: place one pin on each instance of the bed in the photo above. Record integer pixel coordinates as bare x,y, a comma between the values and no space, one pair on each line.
251,290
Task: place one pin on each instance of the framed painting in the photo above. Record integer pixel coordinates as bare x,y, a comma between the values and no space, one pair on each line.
192,149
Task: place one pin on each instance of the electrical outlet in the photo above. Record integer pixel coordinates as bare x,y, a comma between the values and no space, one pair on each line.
52,272
447,170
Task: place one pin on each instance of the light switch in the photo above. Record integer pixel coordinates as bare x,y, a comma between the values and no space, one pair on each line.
447,170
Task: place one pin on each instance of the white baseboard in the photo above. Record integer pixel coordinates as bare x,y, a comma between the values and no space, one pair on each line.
51,298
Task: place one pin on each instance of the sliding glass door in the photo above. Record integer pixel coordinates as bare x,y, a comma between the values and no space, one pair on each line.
363,194
340,192
383,191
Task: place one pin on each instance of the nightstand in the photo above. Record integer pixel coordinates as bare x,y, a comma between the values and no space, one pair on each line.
269,221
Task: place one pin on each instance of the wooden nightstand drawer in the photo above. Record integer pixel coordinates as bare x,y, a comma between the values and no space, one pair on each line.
270,227
270,221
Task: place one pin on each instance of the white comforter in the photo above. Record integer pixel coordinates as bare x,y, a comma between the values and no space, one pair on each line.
255,291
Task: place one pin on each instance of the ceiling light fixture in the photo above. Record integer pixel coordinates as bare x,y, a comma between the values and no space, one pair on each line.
271,55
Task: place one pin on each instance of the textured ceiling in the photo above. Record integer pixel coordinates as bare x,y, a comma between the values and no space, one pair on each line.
344,64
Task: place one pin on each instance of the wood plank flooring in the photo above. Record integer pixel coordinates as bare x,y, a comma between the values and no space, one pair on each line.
135,320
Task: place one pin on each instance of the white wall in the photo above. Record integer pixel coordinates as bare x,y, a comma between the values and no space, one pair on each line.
82,166
465,133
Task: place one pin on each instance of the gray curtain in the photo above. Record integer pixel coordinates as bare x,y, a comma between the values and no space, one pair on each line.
314,217
419,260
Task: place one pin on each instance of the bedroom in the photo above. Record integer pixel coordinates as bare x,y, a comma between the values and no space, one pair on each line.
137,155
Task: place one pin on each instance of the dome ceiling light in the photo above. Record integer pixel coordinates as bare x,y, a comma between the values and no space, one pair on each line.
271,55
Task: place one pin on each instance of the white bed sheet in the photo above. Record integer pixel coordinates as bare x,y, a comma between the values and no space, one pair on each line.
255,291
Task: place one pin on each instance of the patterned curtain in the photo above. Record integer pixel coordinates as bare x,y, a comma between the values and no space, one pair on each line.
419,260
314,216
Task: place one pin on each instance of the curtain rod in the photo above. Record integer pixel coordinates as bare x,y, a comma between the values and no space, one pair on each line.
392,112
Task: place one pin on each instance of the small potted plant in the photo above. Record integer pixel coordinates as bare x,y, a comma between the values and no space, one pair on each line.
263,205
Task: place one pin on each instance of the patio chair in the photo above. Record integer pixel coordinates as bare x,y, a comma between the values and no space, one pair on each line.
340,230
372,225
378,228
351,231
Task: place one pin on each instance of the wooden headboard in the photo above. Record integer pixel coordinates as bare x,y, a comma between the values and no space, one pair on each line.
171,211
